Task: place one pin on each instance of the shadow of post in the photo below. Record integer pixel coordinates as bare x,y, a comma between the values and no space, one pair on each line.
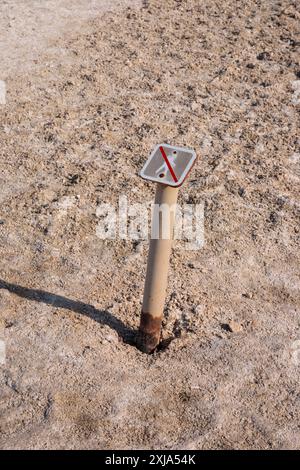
100,316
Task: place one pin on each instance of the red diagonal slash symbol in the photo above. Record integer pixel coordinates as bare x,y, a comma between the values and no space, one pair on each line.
168,163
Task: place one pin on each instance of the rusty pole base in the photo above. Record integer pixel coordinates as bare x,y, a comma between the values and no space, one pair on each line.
148,335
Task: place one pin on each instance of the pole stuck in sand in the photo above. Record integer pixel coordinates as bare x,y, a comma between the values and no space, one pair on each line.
168,166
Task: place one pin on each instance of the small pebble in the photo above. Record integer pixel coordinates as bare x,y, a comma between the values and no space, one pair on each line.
112,337
234,327
263,56
248,295
198,309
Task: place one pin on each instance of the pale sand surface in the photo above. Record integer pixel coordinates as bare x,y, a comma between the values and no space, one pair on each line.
88,96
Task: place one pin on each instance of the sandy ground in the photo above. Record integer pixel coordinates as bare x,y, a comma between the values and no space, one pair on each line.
89,93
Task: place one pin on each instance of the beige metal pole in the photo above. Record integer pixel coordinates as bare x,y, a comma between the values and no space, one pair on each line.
157,269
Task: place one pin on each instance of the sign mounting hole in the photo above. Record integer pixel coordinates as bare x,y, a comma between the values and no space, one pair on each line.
161,175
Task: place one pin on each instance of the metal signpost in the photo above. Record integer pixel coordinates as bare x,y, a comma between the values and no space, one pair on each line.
169,167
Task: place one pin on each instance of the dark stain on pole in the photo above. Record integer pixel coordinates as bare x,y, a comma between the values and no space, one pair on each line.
148,335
